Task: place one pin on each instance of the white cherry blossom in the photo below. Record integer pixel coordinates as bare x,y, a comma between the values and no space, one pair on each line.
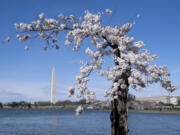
79,110
132,63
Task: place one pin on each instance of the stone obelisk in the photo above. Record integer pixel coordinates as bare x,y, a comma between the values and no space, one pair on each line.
53,87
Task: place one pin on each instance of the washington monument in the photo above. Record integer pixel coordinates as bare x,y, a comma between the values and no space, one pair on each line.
53,87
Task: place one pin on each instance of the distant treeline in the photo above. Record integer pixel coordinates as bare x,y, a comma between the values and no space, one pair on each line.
16,104
40,103
132,104
47,103
60,103
168,104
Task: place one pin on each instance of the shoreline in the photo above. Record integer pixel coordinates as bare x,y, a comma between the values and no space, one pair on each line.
155,111
102,110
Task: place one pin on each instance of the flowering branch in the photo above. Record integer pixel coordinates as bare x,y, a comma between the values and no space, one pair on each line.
131,60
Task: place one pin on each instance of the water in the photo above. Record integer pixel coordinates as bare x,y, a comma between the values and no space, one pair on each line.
64,122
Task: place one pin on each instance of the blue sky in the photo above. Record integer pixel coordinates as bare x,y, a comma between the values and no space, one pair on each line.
26,75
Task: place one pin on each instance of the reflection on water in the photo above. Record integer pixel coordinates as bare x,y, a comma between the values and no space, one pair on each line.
53,125
65,122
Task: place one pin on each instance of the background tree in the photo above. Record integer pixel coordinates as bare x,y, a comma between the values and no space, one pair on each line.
1,105
131,68
179,102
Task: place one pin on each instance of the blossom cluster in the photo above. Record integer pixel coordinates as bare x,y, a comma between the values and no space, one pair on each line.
79,110
132,63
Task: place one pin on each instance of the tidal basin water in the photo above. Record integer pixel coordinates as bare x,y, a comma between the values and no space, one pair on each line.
65,122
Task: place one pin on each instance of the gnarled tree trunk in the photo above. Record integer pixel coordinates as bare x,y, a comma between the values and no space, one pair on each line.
119,114
119,108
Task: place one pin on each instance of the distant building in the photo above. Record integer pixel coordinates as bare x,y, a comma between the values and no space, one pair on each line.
164,99
174,100
53,87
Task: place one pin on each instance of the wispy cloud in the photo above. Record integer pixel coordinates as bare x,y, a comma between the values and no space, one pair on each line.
153,90
8,95
41,91
32,91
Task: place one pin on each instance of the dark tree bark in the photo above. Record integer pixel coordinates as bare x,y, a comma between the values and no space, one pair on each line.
119,108
119,114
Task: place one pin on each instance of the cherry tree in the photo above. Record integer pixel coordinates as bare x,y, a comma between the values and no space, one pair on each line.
132,64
